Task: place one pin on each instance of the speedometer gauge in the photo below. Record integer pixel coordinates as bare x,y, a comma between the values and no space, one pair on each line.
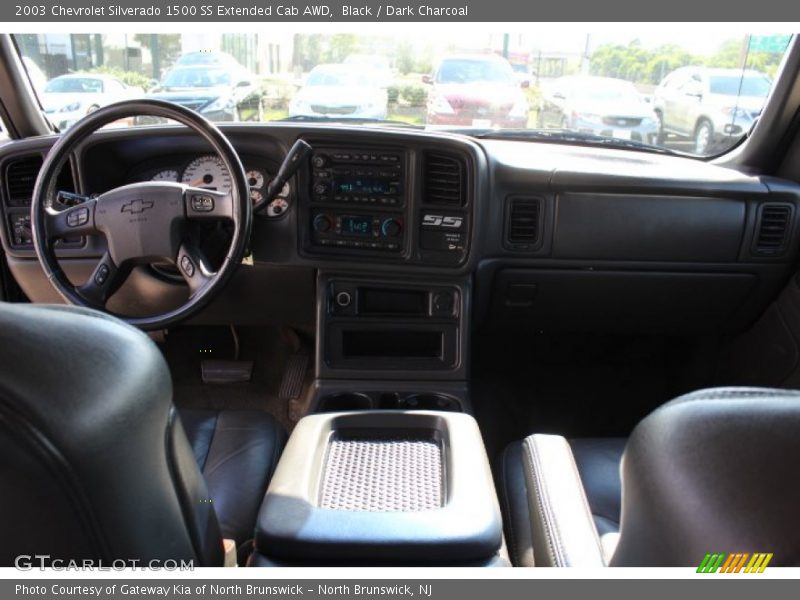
165,175
208,172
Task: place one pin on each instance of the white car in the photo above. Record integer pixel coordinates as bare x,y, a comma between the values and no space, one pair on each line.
714,107
340,91
68,98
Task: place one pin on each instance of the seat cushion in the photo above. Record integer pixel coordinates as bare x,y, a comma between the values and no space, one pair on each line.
598,461
237,451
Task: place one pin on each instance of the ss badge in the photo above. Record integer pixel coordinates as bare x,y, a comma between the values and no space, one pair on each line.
442,221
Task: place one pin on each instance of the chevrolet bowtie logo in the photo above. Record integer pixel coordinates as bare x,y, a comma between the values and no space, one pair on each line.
137,206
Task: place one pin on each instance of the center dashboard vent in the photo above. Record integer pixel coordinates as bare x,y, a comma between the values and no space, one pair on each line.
774,221
444,180
20,177
523,223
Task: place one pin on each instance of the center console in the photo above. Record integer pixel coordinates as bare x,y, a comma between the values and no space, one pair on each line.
372,488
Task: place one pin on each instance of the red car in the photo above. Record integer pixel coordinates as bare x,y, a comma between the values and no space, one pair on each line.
476,90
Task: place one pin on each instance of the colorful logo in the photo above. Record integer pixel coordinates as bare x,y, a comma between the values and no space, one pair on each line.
742,562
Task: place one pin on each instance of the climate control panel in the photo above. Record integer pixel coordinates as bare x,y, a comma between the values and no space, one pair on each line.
367,231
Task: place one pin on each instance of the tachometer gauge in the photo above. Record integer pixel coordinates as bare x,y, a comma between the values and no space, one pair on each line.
256,196
165,175
277,207
255,179
208,172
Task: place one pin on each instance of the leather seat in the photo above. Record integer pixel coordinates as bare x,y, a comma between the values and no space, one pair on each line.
97,464
237,451
712,471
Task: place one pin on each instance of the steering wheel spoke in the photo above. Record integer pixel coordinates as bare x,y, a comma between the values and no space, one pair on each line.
71,222
106,279
201,203
193,267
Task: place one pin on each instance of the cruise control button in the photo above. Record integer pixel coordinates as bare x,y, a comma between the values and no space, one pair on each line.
101,275
202,203
78,217
187,265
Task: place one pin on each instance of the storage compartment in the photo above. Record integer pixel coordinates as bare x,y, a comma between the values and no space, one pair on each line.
648,228
402,488
392,346
391,343
618,301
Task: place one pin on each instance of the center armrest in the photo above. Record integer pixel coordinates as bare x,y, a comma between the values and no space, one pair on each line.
396,487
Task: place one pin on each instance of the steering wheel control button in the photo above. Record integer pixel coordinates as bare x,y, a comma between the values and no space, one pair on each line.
101,275
78,217
187,265
202,203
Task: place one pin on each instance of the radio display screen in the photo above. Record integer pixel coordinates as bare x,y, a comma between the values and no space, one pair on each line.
362,186
357,225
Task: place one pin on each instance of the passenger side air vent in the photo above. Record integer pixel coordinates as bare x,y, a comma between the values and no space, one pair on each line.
20,177
774,221
445,180
523,223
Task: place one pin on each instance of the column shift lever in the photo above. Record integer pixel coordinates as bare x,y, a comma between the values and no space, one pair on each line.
294,158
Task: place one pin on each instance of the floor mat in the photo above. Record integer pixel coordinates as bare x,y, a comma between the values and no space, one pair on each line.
268,348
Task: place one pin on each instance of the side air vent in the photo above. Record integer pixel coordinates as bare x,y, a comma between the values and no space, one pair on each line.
445,180
20,177
523,223
774,221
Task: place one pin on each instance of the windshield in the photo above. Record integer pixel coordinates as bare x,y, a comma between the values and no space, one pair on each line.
487,70
656,88
196,78
74,85
740,86
330,77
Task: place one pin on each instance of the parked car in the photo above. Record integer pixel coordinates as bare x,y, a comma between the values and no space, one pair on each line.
713,107
194,59
219,93
378,64
342,91
70,97
598,105
478,90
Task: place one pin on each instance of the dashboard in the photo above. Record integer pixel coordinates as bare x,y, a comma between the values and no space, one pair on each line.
538,236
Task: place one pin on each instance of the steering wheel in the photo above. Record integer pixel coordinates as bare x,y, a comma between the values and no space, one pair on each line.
142,222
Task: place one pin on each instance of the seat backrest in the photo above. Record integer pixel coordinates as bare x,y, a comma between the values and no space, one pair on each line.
715,471
95,461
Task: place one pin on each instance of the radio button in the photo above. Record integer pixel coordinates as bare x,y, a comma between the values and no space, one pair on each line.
391,228
322,223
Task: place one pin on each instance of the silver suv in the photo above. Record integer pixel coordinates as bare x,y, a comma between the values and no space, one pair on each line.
713,107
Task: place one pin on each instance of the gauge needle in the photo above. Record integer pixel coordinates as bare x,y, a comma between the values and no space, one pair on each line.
197,182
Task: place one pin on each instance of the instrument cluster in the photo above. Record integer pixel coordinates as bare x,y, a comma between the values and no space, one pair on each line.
209,172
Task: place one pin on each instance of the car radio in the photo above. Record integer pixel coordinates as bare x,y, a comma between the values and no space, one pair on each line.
366,177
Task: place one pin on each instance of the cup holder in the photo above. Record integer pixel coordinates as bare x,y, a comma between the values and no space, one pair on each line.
345,401
430,402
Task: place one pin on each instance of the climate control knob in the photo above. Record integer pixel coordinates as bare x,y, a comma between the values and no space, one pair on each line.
320,189
391,228
322,223
319,161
